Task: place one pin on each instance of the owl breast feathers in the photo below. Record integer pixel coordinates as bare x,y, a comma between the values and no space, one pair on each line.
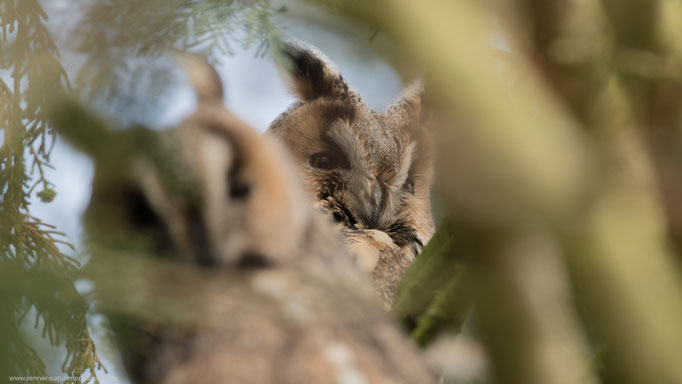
370,171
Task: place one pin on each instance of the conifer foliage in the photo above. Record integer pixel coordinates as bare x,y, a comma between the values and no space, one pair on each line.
36,277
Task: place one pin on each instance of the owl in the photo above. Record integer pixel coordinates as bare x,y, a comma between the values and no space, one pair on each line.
265,291
370,171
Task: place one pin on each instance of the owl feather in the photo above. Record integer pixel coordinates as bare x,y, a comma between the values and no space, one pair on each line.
369,171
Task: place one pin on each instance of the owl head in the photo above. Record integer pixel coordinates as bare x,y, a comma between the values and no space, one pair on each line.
252,205
367,169
212,191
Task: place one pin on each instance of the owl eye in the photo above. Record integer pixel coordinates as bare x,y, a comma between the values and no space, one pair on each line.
239,191
332,158
322,161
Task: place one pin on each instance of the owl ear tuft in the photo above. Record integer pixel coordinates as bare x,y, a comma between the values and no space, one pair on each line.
202,76
311,73
408,107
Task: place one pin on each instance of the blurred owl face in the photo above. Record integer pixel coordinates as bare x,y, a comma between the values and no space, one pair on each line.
367,169
211,192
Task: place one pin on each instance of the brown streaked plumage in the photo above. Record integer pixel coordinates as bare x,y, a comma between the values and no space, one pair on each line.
371,171
280,302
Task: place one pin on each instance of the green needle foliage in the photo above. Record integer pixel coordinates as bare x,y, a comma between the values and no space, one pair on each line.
114,30
432,296
29,254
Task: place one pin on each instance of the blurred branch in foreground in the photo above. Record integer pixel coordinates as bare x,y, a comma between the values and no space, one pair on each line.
627,224
522,172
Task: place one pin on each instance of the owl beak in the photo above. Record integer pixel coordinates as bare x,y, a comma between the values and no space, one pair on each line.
376,200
